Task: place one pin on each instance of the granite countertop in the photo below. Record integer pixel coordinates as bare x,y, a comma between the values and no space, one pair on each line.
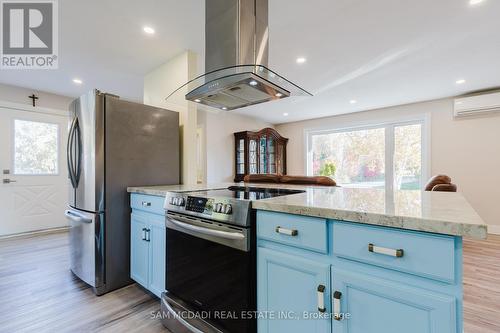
161,190
438,212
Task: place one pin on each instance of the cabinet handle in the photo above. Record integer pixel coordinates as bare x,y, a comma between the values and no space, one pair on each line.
398,253
148,236
144,233
336,305
146,204
288,232
321,298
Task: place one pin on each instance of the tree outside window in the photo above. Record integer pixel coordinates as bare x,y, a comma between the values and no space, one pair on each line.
35,148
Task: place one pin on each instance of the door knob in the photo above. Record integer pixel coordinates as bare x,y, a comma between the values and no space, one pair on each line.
8,181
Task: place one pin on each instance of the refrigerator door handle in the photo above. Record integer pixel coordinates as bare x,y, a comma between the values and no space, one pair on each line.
72,215
69,153
78,156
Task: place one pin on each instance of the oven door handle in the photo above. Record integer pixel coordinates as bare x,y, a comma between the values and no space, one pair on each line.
179,317
206,231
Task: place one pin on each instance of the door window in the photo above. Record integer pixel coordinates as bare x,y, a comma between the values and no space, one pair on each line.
36,148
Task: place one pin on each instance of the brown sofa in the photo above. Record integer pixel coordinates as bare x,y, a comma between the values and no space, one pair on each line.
441,183
295,180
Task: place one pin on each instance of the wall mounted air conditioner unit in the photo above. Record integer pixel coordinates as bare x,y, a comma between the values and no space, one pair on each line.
477,105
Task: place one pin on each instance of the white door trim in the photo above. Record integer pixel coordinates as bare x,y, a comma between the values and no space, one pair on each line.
28,108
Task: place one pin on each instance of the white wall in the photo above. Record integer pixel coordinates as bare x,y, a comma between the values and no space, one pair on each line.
468,150
158,84
20,95
219,128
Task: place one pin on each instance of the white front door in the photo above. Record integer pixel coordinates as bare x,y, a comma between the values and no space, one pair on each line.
33,173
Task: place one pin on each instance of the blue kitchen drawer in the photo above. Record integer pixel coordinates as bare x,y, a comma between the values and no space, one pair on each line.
147,203
423,254
310,233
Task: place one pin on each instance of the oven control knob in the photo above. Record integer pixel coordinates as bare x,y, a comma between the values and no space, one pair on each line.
171,200
176,201
182,201
219,208
228,209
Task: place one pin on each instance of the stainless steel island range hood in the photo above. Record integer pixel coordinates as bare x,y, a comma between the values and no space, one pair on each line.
236,60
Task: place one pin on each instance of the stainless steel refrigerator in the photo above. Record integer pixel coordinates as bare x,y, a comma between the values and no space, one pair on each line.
113,144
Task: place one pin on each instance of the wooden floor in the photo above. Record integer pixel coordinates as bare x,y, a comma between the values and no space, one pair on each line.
482,285
38,293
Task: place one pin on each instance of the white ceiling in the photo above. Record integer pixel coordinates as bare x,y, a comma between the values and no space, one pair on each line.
102,43
380,53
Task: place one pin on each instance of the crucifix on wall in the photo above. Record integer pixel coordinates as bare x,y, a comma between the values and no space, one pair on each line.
33,98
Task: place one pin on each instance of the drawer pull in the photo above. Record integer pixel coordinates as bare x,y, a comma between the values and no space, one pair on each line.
288,232
321,298
146,204
398,253
144,233
336,305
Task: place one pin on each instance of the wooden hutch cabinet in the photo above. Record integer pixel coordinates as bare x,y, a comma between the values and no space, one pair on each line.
259,152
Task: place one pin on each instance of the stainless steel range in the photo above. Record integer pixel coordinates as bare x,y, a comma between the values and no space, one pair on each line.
211,259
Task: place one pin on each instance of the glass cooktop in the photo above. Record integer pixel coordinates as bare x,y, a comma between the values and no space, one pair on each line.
250,193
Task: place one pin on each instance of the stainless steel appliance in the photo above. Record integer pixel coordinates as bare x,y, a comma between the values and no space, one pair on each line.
237,48
211,259
113,144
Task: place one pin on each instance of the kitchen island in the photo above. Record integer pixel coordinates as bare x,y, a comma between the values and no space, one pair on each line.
358,260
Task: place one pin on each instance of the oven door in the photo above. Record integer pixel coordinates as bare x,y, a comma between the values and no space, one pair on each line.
211,267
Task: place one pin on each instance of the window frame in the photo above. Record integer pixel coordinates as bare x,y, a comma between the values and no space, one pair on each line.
389,125
13,148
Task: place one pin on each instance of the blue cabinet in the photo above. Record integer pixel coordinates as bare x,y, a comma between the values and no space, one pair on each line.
147,242
157,255
380,279
288,290
139,249
369,304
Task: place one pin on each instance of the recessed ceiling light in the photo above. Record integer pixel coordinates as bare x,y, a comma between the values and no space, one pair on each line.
475,2
148,30
461,81
77,81
253,83
353,101
223,108
197,100
278,94
300,60
285,114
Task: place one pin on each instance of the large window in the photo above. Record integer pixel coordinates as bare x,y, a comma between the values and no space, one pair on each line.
381,156
35,148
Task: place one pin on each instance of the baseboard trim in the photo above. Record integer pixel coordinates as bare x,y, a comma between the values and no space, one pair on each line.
35,233
494,229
